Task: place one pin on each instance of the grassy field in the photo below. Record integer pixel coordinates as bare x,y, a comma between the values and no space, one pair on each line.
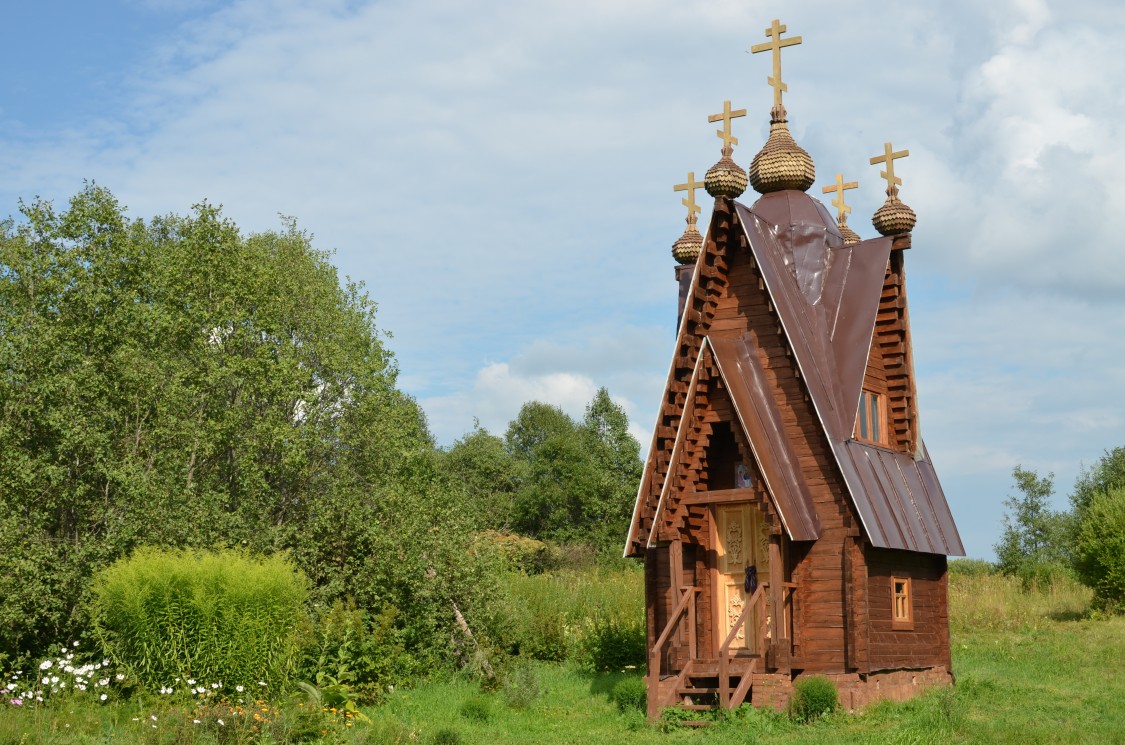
1031,667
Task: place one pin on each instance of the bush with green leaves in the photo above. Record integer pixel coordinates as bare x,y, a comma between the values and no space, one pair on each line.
1100,549
521,685
614,644
214,617
630,694
813,697
349,647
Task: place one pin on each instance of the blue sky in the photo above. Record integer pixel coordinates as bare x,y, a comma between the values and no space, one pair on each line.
500,174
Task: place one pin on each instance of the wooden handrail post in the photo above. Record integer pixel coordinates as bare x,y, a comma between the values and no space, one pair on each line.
691,626
654,663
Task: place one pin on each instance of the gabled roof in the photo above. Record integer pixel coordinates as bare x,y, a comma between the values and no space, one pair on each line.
760,418
826,297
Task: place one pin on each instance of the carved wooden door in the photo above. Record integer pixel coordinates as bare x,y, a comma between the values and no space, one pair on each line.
742,541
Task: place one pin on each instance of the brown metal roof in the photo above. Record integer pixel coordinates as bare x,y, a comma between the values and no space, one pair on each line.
827,295
761,421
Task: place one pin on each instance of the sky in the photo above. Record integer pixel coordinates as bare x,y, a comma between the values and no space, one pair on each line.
500,176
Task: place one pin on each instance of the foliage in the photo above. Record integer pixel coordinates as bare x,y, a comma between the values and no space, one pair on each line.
630,694
353,649
1100,548
971,567
998,602
480,466
577,480
813,697
1108,473
521,686
1033,545
613,644
520,553
222,617
176,383
553,615
66,674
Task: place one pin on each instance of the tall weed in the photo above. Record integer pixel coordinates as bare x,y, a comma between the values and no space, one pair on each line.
997,602
217,617
579,616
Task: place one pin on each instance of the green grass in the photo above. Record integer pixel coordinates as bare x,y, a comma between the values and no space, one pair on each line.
1031,668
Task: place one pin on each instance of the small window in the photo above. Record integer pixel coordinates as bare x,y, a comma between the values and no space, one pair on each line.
870,425
902,616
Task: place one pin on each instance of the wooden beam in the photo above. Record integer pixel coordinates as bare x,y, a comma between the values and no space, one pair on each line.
719,496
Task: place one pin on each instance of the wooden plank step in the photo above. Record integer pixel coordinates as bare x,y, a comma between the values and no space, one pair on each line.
696,691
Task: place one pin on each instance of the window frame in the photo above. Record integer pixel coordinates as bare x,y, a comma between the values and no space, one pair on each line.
867,397
903,622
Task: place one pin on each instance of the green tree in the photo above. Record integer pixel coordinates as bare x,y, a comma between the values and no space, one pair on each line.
1108,473
481,467
177,383
1034,537
579,479
1099,554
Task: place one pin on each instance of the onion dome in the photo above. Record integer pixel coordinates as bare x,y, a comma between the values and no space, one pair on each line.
850,236
688,246
894,217
782,163
726,178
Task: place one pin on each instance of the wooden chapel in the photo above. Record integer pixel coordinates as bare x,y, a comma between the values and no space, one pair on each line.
789,516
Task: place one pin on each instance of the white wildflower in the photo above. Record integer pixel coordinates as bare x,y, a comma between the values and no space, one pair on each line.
238,688
45,665
104,697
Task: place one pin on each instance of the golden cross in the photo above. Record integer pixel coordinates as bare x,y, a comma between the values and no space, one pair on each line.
689,200
889,157
774,32
842,209
725,118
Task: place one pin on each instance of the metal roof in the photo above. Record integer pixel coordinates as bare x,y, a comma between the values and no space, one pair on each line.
827,295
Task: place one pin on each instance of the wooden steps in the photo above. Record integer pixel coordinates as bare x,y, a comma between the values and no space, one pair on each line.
697,687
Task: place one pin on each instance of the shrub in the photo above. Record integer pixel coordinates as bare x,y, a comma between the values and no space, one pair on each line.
1100,549
630,694
219,617
521,688
477,708
615,644
813,697
348,646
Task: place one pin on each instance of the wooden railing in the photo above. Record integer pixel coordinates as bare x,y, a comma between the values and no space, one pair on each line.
782,629
655,654
758,598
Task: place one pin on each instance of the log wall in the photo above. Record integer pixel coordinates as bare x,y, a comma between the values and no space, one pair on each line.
927,643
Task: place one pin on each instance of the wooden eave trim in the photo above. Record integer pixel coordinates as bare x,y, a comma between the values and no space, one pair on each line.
720,496
681,433
709,245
